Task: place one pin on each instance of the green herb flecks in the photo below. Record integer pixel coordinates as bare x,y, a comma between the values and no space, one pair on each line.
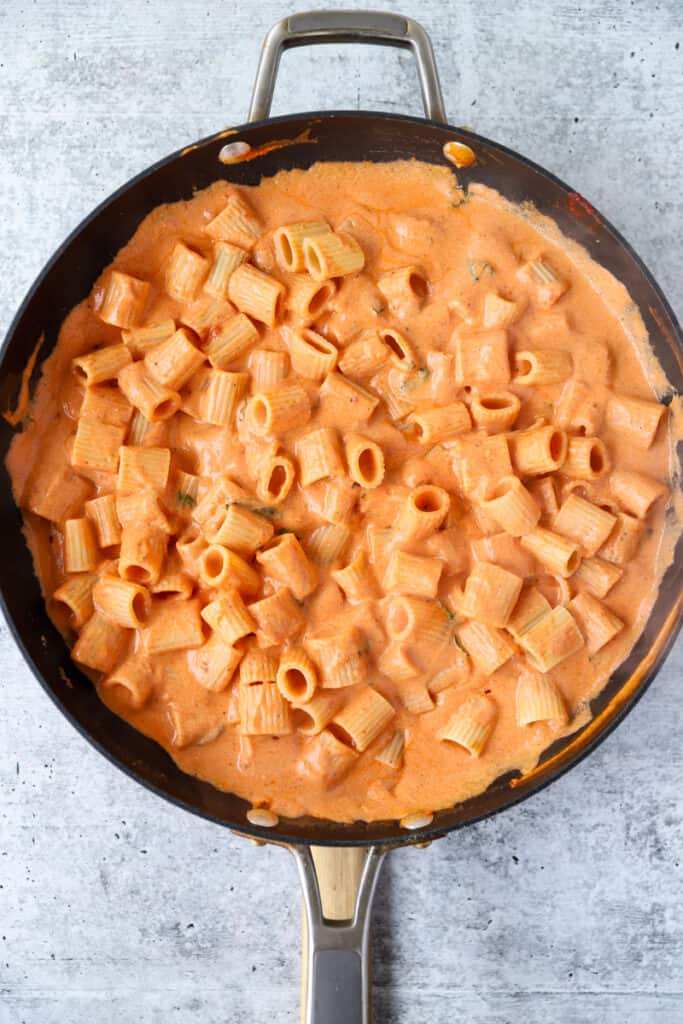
446,611
377,308
185,499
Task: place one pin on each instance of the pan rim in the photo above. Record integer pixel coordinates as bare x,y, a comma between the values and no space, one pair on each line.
513,796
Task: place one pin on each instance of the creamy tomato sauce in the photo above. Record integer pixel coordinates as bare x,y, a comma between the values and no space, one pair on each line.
401,214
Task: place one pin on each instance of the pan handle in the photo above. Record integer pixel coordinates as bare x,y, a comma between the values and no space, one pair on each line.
339,882
379,27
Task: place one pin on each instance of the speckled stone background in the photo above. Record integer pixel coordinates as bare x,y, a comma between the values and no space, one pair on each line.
117,907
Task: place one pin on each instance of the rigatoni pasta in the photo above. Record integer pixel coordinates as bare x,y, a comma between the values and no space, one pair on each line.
331,491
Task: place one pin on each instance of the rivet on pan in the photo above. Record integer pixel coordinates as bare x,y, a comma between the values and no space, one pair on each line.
422,846
459,154
262,817
233,151
255,842
414,821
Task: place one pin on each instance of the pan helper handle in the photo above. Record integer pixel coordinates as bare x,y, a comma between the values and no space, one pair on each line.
379,27
338,885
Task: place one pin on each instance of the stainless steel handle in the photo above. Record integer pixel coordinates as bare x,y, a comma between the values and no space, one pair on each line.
347,27
337,987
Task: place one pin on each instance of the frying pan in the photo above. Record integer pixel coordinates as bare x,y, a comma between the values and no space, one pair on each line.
338,863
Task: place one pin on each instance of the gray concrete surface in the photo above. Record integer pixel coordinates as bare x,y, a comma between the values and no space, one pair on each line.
117,907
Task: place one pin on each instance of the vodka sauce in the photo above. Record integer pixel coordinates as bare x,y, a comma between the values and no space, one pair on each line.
469,255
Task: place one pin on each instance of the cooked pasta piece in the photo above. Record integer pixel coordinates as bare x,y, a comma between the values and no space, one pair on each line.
312,355
258,666
597,622
332,255
236,223
226,259
391,755
328,757
75,594
220,567
124,300
275,412
538,699
175,360
308,299
264,711
221,393
328,543
362,720
504,550
481,462
552,639
142,554
545,283
101,365
278,617
132,682
531,606
495,411
542,366
579,409
455,673
498,311
587,458
539,451
231,340
482,358
635,492
433,425
413,620
405,290
332,500
597,576
288,242
413,575
350,403
257,294
489,648
512,506
173,579
416,698
242,530
141,339
401,352
141,507
586,523
285,561
186,271
213,664
312,717
127,604
491,593
96,446
80,549
622,543
356,579
143,467
635,419
155,401
229,616
365,356
275,478
101,644
423,512
297,679
318,455
365,460
396,663
556,553
106,405
544,492
471,725
267,368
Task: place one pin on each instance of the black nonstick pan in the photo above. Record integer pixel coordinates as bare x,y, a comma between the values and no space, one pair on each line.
338,982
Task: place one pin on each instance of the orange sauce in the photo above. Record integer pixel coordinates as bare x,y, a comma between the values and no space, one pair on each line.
401,213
